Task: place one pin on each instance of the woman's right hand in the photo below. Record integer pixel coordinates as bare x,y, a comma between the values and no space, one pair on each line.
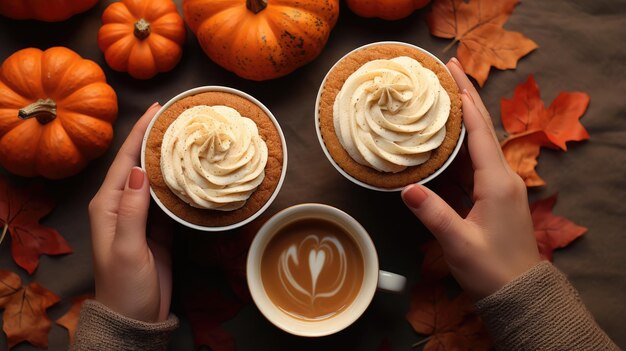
495,243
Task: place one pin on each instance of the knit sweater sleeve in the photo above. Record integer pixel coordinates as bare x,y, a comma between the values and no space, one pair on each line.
100,328
541,310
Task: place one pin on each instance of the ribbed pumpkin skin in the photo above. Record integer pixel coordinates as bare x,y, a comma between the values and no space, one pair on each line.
285,35
44,10
86,108
386,9
142,58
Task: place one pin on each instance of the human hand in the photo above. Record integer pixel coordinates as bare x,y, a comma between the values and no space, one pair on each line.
495,243
132,273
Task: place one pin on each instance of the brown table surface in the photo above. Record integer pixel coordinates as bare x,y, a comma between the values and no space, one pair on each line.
581,48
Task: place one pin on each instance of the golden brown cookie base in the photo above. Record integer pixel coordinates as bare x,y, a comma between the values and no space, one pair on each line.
213,218
332,86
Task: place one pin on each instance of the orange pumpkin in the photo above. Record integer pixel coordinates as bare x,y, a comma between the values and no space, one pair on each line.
385,9
56,111
44,10
261,39
142,37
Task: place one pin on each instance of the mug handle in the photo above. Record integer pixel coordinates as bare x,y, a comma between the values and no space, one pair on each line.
391,282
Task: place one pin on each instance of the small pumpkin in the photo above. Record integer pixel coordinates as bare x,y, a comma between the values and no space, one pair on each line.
142,37
56,112
44,10
386,9
261,39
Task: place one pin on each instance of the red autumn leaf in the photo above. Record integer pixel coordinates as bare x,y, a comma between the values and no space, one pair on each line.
25,317
451,324
434,266
552,232
477,26
530,126
20,212
206,311
70,319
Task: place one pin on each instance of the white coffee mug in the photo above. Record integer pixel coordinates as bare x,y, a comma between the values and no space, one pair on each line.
373,278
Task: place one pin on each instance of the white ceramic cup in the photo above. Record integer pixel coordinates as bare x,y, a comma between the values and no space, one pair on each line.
205,89
344,173
373,278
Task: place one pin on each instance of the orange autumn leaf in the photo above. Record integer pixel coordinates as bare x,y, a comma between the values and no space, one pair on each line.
70,319
20,213
530,126
24,317
477,26
552,232
450,324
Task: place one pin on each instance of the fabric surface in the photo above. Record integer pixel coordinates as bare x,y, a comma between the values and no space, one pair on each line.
100,328
540,310
580,49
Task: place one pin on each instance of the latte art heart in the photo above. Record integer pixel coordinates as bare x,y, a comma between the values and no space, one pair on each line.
326,258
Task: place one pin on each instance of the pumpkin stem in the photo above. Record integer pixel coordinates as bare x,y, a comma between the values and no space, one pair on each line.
142,29
256,6
44,110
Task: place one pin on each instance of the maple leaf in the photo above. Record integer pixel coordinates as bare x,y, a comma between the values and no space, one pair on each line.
434,266
532,126
25,317
20,212
206,311
70,319
450,324
552,232
477,26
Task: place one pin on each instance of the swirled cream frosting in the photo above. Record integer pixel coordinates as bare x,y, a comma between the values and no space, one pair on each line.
213,158
391,114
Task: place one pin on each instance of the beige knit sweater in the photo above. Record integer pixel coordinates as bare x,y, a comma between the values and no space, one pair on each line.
539,310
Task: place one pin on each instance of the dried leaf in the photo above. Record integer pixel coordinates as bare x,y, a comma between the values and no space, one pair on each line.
451,324
532,126
477,26
206,311
552,232
25,317
20,212
434,266
70,319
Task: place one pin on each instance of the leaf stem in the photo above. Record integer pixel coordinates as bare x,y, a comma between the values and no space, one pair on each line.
421,342
449,46
4,232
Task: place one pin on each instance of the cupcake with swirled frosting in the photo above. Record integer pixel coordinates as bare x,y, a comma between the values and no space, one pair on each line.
214,159
389,115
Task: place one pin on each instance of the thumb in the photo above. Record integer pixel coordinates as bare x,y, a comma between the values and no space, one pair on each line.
133,210
445,224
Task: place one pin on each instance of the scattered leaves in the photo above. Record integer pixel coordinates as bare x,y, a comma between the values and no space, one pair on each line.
70,319
530,126
552,232
20,212
25,317
477,26
450,324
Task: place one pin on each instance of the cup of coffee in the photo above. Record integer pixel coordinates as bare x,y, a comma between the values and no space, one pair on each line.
312,270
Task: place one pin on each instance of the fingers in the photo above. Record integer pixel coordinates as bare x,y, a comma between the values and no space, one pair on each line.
130,233
128,156
484,148
465,84
445,224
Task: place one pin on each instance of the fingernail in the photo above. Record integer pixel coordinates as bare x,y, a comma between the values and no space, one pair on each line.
469,96
135,179
457,62
153,105
413,196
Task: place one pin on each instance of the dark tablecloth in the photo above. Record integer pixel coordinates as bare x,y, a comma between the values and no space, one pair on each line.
581,48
